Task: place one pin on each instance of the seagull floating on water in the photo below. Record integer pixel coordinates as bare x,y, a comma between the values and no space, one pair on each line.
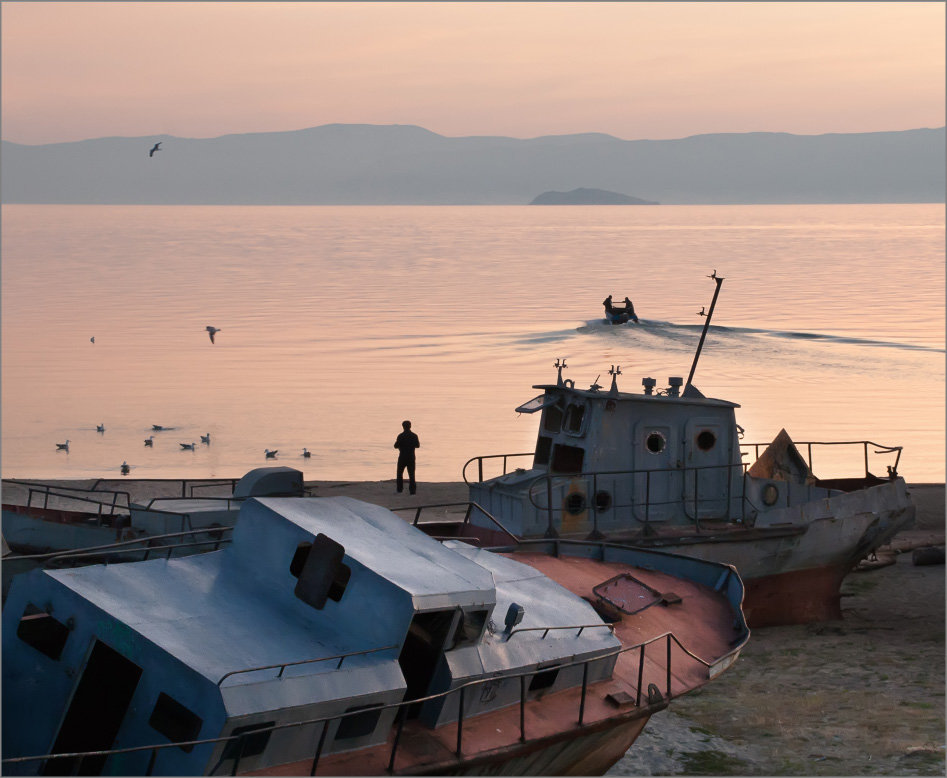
62,446
125,468
188,446
270,454
154,148
156,428
212,331
92,339
150,441
307,453
100,428
205,438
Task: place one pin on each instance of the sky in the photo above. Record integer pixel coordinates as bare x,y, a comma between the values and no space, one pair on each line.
77,70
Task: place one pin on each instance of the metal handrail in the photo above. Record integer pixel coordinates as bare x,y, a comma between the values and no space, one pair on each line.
480,459
546,630
284,665
65,493
146,544
403,705
469,505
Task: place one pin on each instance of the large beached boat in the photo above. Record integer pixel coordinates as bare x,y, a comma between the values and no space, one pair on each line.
332,637
665,469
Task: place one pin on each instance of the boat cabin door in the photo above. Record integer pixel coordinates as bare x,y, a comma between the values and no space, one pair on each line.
426,641
707,451
99,703
654,453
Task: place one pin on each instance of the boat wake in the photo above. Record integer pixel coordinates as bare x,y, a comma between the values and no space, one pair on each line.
673,332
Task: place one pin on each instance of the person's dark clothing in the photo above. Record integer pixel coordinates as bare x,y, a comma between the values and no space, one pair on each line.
607,302
406,443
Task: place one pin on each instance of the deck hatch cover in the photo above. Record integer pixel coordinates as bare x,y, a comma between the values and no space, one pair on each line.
630,595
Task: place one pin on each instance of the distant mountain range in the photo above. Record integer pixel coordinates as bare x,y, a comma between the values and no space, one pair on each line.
343,164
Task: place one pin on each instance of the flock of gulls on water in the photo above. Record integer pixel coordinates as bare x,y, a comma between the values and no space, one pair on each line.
150,440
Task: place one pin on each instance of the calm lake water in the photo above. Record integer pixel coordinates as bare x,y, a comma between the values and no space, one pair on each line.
338,322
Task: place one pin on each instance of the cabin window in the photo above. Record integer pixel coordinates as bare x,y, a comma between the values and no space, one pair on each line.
552,419
655,442
706,440
253,743
544,679
321,572
575,415
603,501
358,724
543,447
575,503
41,631
567,459
469,627
176,722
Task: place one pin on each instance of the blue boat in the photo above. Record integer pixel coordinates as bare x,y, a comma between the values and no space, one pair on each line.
332,637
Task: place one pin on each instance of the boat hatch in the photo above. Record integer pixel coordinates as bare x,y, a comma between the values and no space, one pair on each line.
631,596
537,403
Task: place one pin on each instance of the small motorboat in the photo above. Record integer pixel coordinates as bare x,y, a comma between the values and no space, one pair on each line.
622,314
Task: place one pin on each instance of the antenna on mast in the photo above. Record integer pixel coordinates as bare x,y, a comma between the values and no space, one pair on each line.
718,280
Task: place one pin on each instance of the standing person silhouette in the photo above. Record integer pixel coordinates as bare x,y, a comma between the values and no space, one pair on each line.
406,443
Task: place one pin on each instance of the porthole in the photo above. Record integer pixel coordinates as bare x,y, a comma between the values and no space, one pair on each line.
770,494
575,503
706,440
655,442
603,501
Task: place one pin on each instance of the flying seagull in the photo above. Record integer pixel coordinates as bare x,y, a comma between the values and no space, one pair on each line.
212,331
154,149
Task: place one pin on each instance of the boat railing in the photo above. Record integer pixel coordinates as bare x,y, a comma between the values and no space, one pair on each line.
148,546
504,458
282,667
469,508
655,700
77,494
547,630
598,501
865,445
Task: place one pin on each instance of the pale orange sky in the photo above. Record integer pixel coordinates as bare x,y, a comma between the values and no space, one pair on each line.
79,70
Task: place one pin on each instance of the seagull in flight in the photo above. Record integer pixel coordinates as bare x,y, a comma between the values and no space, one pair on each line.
212,331
154,148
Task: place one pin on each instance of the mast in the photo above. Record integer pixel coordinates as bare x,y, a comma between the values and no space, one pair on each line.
718,280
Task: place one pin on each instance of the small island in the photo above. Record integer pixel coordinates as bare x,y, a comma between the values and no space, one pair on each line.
583,196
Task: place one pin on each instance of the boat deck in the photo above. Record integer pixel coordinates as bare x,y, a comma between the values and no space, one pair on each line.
547,727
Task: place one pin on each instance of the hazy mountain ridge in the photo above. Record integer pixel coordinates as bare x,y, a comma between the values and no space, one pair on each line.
404,164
